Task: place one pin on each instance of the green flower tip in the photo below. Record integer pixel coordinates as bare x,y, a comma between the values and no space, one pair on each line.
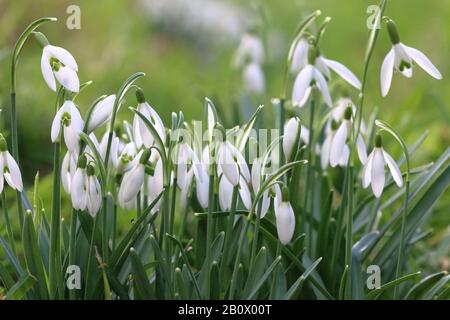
312,54
3,144
285,194
90,170
348,112
140,95
145,156
41,38
82,161
393,32
378,141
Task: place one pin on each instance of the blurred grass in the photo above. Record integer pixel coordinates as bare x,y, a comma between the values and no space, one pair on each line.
117,38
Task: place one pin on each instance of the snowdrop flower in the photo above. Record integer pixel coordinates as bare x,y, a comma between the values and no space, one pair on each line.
133,179
58,63
226,193
337,113
102,113
256,185
9,170
85,188
253,78
317,71
155,185
141,134
326,148
401,58
338,143
69,117
373,171
68,168
285,218
292,131
122,161
300,56
232,163
202,185
250,49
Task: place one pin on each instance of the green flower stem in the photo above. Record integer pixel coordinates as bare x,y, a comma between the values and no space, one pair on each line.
309,173
229,228
90,257
173,204
256,234
72,247
237,259
8,224
274,279
354,134
281,128
349,236
14,136
209,228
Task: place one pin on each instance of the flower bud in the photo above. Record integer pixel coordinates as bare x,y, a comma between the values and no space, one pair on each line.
82,161
378,141
41,38
140,97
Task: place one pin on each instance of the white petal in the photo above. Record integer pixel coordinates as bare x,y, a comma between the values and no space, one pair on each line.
323,87
101,113
228,165
244,192
302,82
131,183
378,178
343,72
423,62
291,131
345,156
256,174
253,79
337,146
2,182
322,67
202,189
63,56
56,124
14,177
387,69
47,71
285,220
68,79
211,121
367,171
243,167
94,198
78,191
394,169
225,194
265,204
300,55
325,152
362,150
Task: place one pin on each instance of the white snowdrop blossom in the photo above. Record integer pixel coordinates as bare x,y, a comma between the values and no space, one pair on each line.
70,118
285,218
85,188
401,58
125,159
141,134
256,185
326,149
102,113
317,71
232,163
57,64
133,179
253,78
373,171
68,168
300,56
9,169
155,185
338,144
292,130
202,185
251,49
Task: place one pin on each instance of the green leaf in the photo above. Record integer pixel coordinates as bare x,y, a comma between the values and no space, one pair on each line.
141,281
242,139
256,270
297,286
180,286
21,287
11,257
438,288
263,279
215,281
420,288
33,258
374,294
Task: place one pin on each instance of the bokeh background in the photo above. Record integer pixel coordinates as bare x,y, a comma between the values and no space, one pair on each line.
186,46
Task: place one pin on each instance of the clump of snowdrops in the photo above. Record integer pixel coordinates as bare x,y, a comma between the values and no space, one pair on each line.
221,213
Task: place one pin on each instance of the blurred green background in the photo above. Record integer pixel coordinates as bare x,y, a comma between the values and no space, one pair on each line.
186,52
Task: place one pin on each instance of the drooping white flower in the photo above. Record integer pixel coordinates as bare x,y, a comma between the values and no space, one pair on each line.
256,185
58,64
141,134
9,170
338,145
85,190
317,71
68,168
133,179
232,163
70,118
253,78
373,171
125,159
300,56
326,149
102,113
402,58
155,185
292,130
285,218
251,49
202,185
